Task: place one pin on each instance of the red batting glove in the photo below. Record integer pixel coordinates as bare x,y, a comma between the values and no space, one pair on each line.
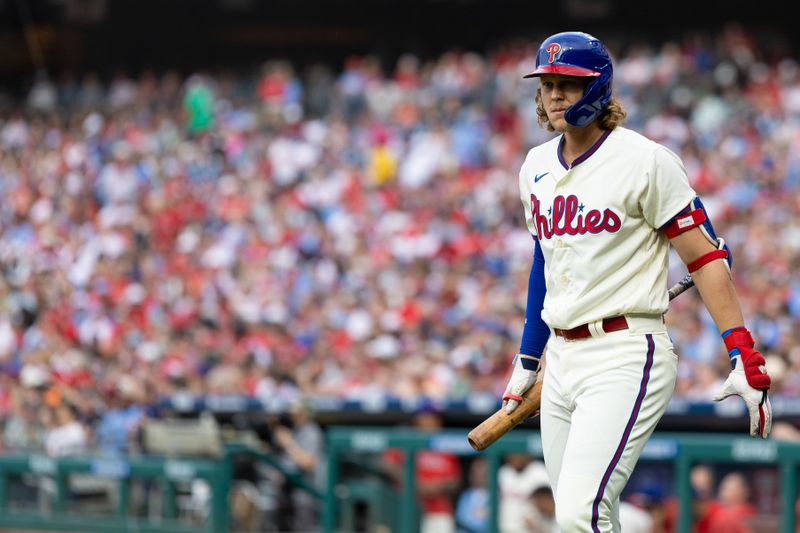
748,379
740,339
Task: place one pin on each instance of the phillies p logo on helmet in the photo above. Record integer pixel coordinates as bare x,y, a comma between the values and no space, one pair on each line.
553,49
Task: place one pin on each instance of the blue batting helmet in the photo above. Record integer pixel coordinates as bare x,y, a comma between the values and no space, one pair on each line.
574,53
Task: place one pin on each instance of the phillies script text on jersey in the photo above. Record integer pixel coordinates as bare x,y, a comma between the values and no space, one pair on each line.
569,219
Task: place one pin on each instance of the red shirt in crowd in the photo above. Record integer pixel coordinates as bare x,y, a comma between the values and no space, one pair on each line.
432,468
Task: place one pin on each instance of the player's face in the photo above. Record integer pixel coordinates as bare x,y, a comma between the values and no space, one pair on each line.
558,93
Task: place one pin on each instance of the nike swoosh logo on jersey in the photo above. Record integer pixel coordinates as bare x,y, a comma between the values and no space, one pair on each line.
540,176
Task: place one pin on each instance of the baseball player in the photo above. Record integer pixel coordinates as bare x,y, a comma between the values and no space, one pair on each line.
603,204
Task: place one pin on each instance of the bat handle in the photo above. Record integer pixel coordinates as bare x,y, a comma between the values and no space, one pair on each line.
686,283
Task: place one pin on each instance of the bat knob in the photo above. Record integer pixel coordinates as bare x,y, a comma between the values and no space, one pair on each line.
476,442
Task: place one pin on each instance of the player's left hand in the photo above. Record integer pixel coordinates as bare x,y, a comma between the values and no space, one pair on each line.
748,379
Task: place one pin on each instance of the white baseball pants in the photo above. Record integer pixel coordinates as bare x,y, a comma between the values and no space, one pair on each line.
601,401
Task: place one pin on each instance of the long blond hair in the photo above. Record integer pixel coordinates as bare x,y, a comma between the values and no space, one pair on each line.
612,116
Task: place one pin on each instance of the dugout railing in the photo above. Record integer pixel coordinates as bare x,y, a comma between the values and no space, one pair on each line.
54,496
678,449
44,493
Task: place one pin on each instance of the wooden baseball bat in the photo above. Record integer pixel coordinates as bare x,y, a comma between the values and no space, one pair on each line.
501,423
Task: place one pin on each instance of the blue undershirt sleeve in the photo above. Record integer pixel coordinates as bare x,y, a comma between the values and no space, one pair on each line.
535,333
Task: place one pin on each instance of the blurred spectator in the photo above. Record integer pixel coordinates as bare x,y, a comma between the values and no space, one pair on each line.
118,427
198,103
265,497
43,96
652,499
22,428
785,431
542,517
438,475
518,478
735,509
704,503
66,435
634,519
300,449
472,507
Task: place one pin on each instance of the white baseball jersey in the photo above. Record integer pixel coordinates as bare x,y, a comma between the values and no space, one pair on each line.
597,223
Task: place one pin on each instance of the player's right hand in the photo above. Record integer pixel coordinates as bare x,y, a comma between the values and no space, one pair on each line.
748,379
522,378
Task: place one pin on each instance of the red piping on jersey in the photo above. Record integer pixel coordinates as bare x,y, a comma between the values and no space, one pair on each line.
585,155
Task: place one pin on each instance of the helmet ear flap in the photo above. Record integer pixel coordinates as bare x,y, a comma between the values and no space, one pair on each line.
595,100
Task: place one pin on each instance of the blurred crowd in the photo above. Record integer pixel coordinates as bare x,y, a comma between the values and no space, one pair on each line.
352,232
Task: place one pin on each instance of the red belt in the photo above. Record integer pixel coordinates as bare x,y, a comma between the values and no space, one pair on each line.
615,323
